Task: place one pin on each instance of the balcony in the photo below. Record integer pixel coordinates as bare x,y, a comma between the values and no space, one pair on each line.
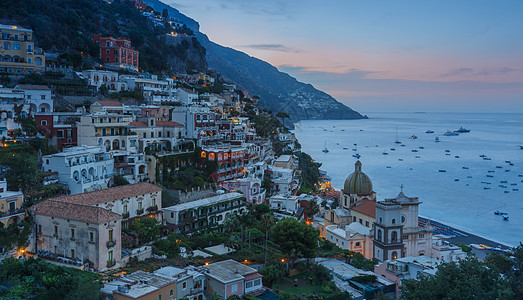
139,211
125,215
111,244
196,291
12,212
152,209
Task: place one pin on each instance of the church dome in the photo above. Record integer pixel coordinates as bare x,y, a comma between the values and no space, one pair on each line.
358,182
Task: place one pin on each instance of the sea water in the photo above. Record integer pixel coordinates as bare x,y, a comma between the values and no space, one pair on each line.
455,185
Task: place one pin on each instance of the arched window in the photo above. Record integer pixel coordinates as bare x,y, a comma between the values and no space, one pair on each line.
394,255
123,143
381,220
38,61
394,236
393,221
380,236
403,219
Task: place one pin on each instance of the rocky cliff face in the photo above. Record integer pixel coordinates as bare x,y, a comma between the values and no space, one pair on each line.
278,91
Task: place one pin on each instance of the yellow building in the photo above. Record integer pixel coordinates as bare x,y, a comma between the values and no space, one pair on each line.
11,210
18,53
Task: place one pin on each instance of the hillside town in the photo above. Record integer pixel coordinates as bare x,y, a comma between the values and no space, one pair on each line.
182,186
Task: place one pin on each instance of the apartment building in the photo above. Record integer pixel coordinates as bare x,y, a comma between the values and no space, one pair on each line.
78,233
117,52
18,52
250,188
59,128
229,277
11,210
204,213
81,168
37,97
230,160
199,123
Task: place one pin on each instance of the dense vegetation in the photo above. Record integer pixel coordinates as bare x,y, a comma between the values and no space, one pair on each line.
67,26
38,279
497,277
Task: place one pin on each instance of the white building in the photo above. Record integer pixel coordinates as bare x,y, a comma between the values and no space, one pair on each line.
286,203
97,78
204,213
199,123
186,96
444,251
354,237
37,97
81,168
8,99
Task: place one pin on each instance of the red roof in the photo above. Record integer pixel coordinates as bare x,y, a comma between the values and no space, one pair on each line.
366,207
109,103
168,124
138,124
252,276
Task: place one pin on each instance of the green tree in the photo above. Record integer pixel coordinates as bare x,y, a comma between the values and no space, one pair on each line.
468,279
119,180
267,221
22,172
296,239
312,209
282,116
147,229
273,273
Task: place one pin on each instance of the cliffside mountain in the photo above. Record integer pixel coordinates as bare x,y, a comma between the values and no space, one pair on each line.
278,91
68,25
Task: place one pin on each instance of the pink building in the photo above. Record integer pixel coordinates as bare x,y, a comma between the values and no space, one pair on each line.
250,187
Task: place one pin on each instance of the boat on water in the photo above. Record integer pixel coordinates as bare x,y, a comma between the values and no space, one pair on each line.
487,158
486,188
429,131
354,149
417,156
345,148
500,213
465,168
450,133
443,171
461,129
491,176
436,139
456,156
394,149
397,141
421,147
413,137
448,151
402,145
356,155
482,155
385,153
414,150
505,218
325,150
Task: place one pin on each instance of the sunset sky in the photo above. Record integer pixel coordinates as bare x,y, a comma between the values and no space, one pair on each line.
382,55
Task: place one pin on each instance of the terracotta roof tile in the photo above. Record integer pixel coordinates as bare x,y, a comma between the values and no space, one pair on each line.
72,211
109,103
168,124
111,194
366,207
138,124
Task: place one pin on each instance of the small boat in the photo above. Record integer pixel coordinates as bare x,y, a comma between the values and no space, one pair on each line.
447,154
469,176
325,150
456,179
443,171
414,150
436,139
507,161
513,184
417,156
491,171
503,181
355,144
337,143
356,155
491,176
447,150
457,156
400,159
505,218
487,158
421,147
486,188
402,145
465,168
506,192
510,164
354,149
429,131
521,147
394,149
450,133
345,148
385,153
461,129
388,167
497,212
507,170
413,137
482,155
515,190
520,175
499,167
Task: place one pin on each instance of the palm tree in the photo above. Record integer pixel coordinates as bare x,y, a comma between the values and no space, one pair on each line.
267,220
